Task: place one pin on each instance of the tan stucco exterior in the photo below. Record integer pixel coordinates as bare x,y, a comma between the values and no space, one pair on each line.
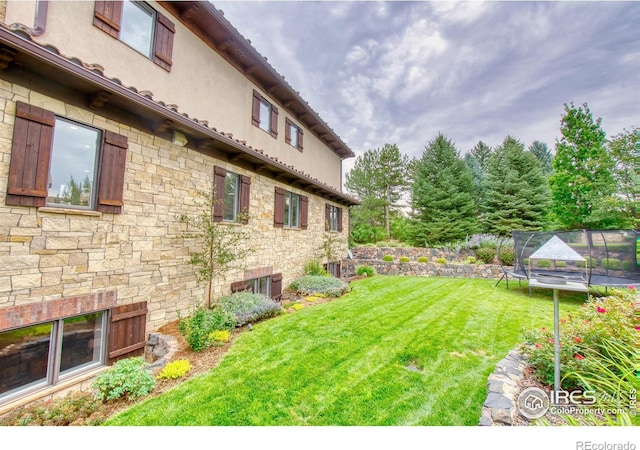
200,82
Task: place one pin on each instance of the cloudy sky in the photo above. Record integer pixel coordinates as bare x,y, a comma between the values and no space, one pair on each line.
401,72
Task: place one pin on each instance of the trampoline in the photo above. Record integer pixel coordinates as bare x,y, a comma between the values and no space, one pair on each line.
610,257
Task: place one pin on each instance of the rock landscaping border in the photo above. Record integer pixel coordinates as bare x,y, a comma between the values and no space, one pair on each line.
500,408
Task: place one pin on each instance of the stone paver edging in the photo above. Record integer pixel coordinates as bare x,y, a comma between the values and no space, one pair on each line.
500,408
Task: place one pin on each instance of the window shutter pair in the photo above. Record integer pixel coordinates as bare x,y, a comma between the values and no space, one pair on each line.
278,212
327,217
287,134
31,156
219,174
108,17
255,113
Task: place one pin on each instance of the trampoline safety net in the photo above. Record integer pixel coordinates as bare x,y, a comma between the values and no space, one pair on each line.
611,255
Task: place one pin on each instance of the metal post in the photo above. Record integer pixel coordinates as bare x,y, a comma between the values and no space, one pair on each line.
556,346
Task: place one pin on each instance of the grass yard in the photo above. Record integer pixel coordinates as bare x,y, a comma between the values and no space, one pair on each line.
395,351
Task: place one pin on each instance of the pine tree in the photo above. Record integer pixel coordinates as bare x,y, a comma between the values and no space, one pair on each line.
442,202
541,151
516,192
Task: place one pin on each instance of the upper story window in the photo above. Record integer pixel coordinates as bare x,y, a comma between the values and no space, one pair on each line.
333,218
264,114
57,162
231,196
291,210
293,135
139,26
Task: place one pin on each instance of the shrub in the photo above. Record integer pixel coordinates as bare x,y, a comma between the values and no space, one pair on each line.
423,259
486,254
628,266
543,263
197,328
591,261
220,336
367,271
470,260
404,259
247,307
441,260
582,337
126,378
507,256
611,263
561,264
387,258
175,369
314,285
314,267
297,306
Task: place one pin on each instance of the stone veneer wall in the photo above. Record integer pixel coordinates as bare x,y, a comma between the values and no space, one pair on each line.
412,252
48,254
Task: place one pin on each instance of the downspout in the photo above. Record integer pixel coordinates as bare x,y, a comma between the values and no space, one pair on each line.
39,21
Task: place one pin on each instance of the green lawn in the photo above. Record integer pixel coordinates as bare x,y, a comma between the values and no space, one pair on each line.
345,362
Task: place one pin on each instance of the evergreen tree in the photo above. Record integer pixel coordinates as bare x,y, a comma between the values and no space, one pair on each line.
516,192
583,186
481,152
442,196
379,179
541,151
478,176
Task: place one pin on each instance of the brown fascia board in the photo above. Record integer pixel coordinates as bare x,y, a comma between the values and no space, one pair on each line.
45,61
210,25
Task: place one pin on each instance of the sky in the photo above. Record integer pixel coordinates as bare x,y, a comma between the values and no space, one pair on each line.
401,72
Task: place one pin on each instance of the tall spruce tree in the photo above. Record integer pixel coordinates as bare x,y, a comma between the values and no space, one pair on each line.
516,192
541,151
379,179
481,152
443,206
583,186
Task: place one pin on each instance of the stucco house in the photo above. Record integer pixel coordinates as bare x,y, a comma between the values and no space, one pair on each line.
113,117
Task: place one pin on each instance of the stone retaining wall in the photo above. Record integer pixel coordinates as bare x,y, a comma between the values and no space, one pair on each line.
500,408
489,271
412,252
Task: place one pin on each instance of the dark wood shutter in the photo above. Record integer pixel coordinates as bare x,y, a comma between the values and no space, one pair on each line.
287,131
127,331
245,197
274,121
238,286
112,168
255,109
219,175
276,287
327,217
163,42
304,212
338,270
300,139
108,16
339,219
278,212
30,156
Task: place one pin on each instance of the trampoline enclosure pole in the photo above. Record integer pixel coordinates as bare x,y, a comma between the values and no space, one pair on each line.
556,345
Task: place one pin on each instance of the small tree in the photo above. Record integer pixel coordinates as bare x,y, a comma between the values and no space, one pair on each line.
223,246
332,247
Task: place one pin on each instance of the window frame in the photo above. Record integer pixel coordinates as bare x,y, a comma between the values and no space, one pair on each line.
148,9
289,213
243,196
96,166
333,218
54,373
236,198
256,114
288,136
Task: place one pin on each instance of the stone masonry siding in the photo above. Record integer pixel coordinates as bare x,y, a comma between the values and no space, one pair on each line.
48,254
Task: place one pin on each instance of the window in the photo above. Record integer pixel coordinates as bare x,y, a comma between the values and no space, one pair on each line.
57,162
139,26
333,218
333,268
264,115
232,196
291,210
270,285
72,168
40,355
293,135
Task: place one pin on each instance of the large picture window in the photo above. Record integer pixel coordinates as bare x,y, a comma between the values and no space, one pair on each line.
39,355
